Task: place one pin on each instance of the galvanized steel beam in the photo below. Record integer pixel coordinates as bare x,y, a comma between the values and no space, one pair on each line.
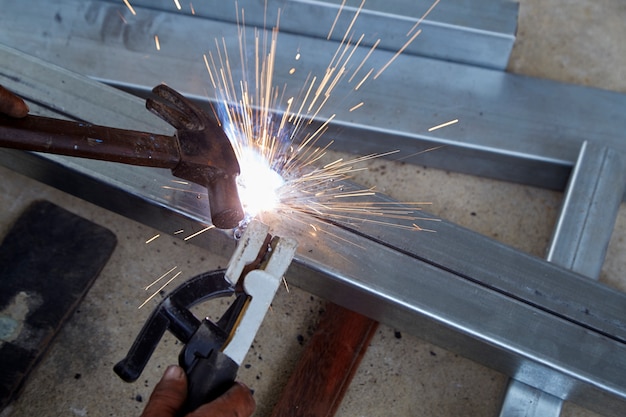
579,243
481,32
510,127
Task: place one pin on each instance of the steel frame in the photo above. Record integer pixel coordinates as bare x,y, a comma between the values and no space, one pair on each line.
565,336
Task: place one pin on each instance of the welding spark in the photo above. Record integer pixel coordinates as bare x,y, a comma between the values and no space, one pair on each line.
258,183
153,238
206,229
161,287
446,124
280,153
283,164
132,11
353,108
156,281
122,18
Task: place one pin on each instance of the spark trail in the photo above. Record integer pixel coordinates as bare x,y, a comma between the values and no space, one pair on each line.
285,168
280,154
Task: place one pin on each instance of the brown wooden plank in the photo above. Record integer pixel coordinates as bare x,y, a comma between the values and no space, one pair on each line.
330,359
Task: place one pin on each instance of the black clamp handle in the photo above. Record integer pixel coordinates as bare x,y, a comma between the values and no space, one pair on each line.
209,372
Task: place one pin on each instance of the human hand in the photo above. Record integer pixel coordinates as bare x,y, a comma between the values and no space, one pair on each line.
12,105
169,396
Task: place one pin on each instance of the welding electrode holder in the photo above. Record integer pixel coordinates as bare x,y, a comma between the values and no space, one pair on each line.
206,154
209,371
200,151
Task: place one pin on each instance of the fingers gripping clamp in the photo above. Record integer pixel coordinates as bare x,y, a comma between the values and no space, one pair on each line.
213,352
173,314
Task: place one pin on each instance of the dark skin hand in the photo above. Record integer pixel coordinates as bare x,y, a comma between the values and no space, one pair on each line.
12,105
169,395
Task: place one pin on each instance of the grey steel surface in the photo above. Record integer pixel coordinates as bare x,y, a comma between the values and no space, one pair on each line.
579,243
478,32
547,327
522,400
522,129
589,211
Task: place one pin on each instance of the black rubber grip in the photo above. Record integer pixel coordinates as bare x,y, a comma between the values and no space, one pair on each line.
209,378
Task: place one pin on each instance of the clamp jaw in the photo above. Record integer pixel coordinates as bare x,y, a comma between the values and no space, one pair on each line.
213,352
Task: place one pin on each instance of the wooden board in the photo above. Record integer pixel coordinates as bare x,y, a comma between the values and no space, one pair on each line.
331,357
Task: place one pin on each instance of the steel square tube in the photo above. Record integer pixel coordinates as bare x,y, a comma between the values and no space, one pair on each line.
579,243
478,33
522,129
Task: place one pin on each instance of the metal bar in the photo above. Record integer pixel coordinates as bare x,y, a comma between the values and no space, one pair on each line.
522,129
564,335
589,211
579,243
84,140
522,400
478,33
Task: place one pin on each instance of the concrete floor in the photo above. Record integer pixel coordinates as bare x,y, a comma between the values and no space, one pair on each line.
577,41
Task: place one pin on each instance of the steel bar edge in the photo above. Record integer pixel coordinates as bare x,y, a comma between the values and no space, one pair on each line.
481,33
579,242
510,127
547,327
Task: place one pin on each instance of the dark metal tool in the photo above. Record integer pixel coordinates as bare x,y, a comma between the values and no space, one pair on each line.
200,151
213,352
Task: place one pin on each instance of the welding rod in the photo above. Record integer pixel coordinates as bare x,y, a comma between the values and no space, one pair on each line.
200,151
84,140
